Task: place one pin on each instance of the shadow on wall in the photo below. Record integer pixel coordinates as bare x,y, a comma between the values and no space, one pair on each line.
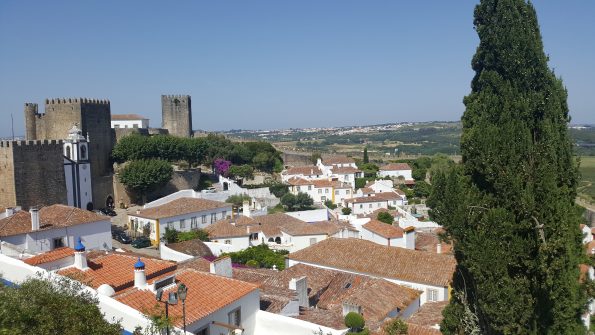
181,180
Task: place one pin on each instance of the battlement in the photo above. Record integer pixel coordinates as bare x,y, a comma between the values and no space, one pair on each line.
58,101
173,96
35,143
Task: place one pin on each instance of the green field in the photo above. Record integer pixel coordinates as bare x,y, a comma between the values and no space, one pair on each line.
586,188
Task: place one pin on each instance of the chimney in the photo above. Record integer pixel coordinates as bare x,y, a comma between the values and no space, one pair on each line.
80,257
248,230
409,237
300,286
9,212
140,279
439,248
246,208
222,267
34,218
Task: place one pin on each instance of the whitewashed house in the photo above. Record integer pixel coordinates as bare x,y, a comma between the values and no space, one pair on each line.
309,172
373,201
182,214
129,121
52,227
388,235
428,272
396,170
340,168
321,190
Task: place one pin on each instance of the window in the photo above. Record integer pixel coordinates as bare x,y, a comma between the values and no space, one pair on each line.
193,222
235,317
347,192
298,188
204,219
432,294
336,192
223,214
83,152
68,151
313,240
319,191
170,225
323,198
346,177
203,331
326,190
227,241
58,242
361,206
370,205
213,217
309,187
254,236
183,224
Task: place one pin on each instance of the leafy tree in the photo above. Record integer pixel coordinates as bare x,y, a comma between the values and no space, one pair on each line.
366,159
241,171
385,217
329,204
193,234
370,170
360,182
144,176
170,235
356,323
396,327
261,254
299,202
509,208
238,199
278,189
59,306
421,189
346,210
315,157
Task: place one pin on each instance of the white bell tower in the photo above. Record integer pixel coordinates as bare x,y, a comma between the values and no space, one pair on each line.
77,169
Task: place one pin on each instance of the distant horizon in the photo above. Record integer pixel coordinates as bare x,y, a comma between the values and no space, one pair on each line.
270,65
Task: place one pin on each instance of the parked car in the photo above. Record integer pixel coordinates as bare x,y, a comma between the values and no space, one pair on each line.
121,237
108,212
141,242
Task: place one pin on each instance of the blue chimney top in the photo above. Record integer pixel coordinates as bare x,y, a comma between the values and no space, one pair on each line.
79,245
139,265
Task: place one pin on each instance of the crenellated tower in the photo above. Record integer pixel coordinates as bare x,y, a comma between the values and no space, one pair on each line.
176,114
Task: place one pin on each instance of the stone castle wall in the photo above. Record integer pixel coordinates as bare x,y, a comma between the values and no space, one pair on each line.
94,119
181,180
176,114
31,173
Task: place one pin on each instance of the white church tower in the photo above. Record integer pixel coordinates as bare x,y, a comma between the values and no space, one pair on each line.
77,170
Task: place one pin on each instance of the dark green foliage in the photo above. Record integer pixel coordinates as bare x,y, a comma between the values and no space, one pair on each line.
360,182
355,322
241,171
41,307
252,264
278,189
193,234
509,209
315,157
144,176
385,217
370,170
366,159
329,204
346,210
238,199
421,189
261,254
299,202
396,327
170,235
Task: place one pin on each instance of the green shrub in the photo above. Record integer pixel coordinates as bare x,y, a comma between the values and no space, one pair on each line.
329,204
346,210
355,322
385,217
253,263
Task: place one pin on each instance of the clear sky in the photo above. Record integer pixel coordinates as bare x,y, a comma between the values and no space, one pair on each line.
270,64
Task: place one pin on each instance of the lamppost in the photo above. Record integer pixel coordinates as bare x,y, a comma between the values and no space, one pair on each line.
182,291
171,300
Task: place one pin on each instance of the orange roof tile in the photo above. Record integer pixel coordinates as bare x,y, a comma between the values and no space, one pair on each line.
179,207
207,293
296,181
430,314
383,229
345,170
304,170
50,217
395,167
50,256
338,160
117,270
223,228
351,254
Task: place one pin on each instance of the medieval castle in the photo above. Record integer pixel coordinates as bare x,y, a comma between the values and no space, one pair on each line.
32,171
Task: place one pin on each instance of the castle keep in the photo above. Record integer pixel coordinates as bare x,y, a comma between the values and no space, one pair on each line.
176,115
94,119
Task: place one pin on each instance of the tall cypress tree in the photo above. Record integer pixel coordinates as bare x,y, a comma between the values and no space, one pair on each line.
366,158
509,207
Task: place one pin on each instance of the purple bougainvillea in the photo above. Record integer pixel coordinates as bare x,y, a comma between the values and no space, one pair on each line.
221,166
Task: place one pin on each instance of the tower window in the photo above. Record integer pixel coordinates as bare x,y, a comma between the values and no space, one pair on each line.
68,152
83,152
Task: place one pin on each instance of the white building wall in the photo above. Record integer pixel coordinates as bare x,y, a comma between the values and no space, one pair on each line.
442,291
275,324
95,235
236,243
368,207
300,242
142,123
311,215
219,248
365,234
396,173
172,255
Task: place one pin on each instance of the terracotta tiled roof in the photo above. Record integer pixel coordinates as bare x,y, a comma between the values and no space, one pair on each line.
197,263
304,170
367,257
320,183
413,329
124,117
179,207
345,170
318,278
395,167
338,160
194,247
333,227
383,229
207,293
296,181
366,190
50,256
375,197
428,241
117,270
223,228
430,314
332,319
50,217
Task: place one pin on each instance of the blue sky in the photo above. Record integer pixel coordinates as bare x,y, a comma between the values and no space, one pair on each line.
270,64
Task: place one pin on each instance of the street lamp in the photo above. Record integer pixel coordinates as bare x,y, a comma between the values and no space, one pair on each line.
171,300
182,291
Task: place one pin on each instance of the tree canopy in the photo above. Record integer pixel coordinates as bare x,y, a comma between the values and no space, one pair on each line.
299,202
45,307
509,208
145,175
